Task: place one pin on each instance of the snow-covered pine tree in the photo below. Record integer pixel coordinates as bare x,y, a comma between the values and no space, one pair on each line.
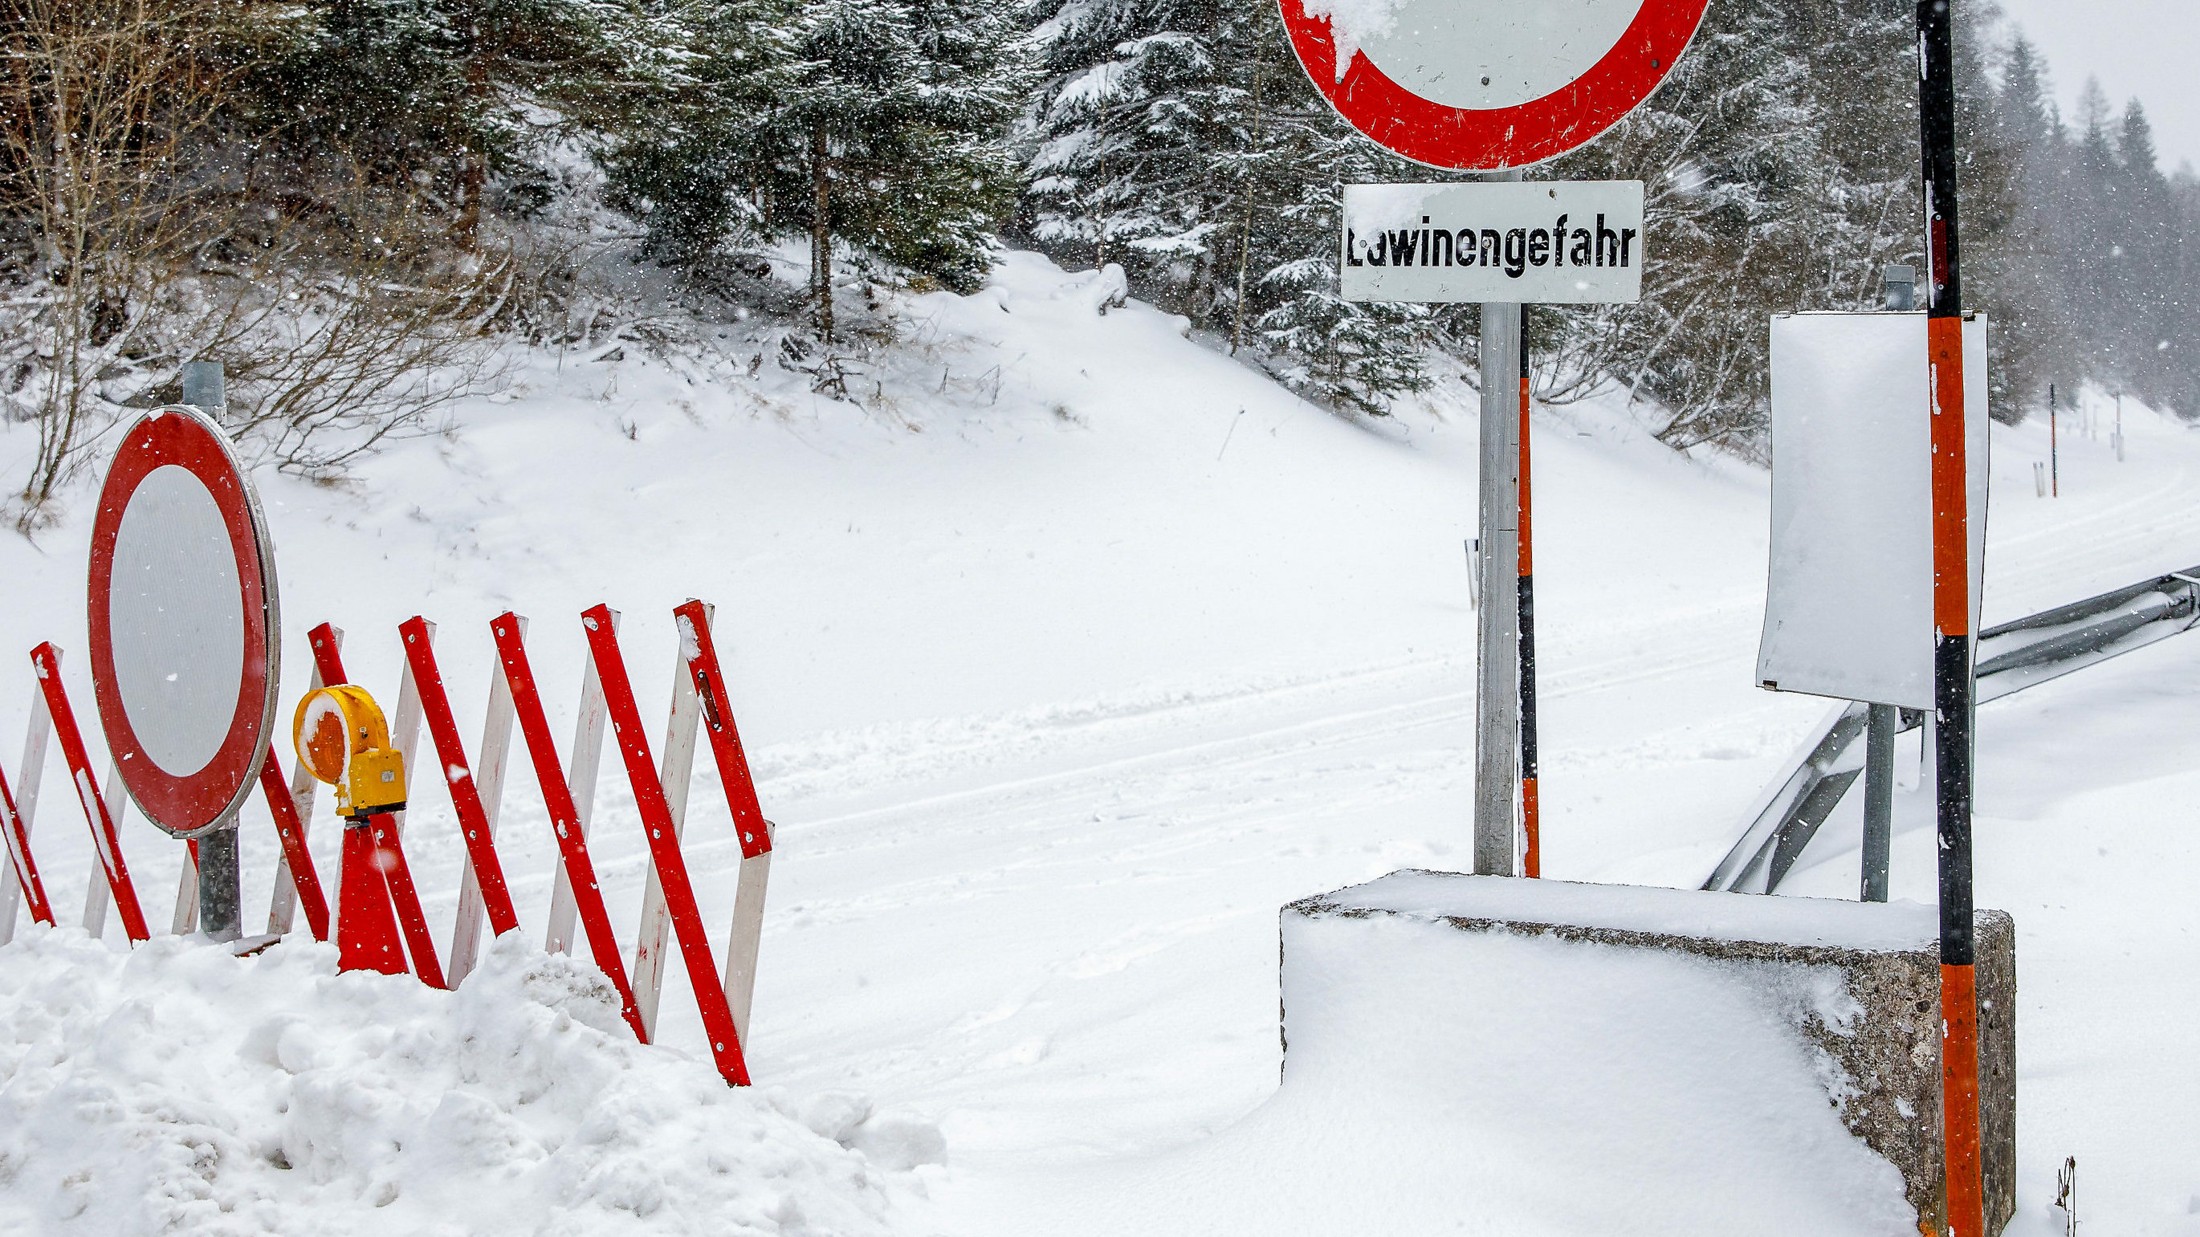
890,135
692,168
445,94
1139,99
1181,139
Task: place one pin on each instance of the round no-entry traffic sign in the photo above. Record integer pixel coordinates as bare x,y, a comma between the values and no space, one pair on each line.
1488,84
183,622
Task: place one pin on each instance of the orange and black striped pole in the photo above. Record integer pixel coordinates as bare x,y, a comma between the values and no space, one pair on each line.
1532,851
1951,624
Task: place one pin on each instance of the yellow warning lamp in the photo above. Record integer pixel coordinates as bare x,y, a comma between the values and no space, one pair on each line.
343,739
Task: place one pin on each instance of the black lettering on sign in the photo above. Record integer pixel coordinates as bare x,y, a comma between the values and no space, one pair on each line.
1581,247
1516,252
1491,242
1401,246
1626,242
1466,246
1607,244
1441,240
1352,249
1539,248
1558,242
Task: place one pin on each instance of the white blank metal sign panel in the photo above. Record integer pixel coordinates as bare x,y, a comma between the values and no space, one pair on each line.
1541,242
1848,603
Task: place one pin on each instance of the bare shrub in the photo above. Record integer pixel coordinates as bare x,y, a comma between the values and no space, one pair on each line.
133,238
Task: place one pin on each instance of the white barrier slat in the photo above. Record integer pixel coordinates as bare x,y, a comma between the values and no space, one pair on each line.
747,936
489,765
99,897
676,771
580,776
31,772
405,726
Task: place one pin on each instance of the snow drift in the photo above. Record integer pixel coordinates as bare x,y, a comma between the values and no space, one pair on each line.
177,1090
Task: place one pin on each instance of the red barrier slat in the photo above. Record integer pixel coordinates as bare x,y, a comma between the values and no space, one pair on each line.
458,776
700,651
303,877
26,868
388,858
105,844
326,658
564,818
664,846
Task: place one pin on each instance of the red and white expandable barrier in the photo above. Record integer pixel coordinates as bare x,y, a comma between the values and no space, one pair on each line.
380,924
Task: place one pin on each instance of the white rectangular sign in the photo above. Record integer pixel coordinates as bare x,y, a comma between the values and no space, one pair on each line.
1849,599
1529,242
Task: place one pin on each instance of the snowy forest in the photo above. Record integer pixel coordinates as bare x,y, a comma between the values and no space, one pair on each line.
356,203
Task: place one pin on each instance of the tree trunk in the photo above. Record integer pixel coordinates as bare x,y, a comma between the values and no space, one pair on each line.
473,167
821,230
1245,230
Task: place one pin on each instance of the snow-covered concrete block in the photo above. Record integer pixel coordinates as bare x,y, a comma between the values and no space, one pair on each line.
1715,1043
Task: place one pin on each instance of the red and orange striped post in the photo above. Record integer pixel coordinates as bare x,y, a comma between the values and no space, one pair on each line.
1531,863
1951,624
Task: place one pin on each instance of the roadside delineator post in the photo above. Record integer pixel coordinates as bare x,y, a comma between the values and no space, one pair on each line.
1531,854
1959,1054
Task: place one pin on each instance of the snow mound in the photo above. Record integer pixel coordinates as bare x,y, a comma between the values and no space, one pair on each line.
177,1090
1441,1081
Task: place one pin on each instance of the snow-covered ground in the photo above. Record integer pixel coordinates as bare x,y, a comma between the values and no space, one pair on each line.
1073,650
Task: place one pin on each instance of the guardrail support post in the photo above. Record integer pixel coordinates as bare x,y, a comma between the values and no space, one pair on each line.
1879,728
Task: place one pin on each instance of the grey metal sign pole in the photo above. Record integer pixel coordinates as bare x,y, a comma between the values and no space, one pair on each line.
204,388
1497,656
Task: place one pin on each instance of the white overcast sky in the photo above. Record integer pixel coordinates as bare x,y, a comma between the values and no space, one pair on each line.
2147,48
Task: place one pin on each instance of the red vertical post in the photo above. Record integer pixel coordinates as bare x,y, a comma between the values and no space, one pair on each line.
1951,623
534,728
46,659
664,847
1530,804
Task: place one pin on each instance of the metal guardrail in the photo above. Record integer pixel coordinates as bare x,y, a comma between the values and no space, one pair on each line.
2009,658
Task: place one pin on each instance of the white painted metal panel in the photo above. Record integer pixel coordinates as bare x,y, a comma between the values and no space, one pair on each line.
1848,601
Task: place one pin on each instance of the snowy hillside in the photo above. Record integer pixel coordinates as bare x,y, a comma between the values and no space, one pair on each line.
1068,650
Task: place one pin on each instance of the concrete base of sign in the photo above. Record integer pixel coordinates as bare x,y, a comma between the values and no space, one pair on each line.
1872,969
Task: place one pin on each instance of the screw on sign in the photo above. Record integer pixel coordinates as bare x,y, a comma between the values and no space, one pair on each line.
1488,84
183,636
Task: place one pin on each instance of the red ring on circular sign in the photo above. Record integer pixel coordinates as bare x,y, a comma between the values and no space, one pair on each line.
1461,138
195,802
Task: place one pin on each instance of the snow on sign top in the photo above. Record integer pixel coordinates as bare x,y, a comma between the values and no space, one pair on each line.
1488,84
182,622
